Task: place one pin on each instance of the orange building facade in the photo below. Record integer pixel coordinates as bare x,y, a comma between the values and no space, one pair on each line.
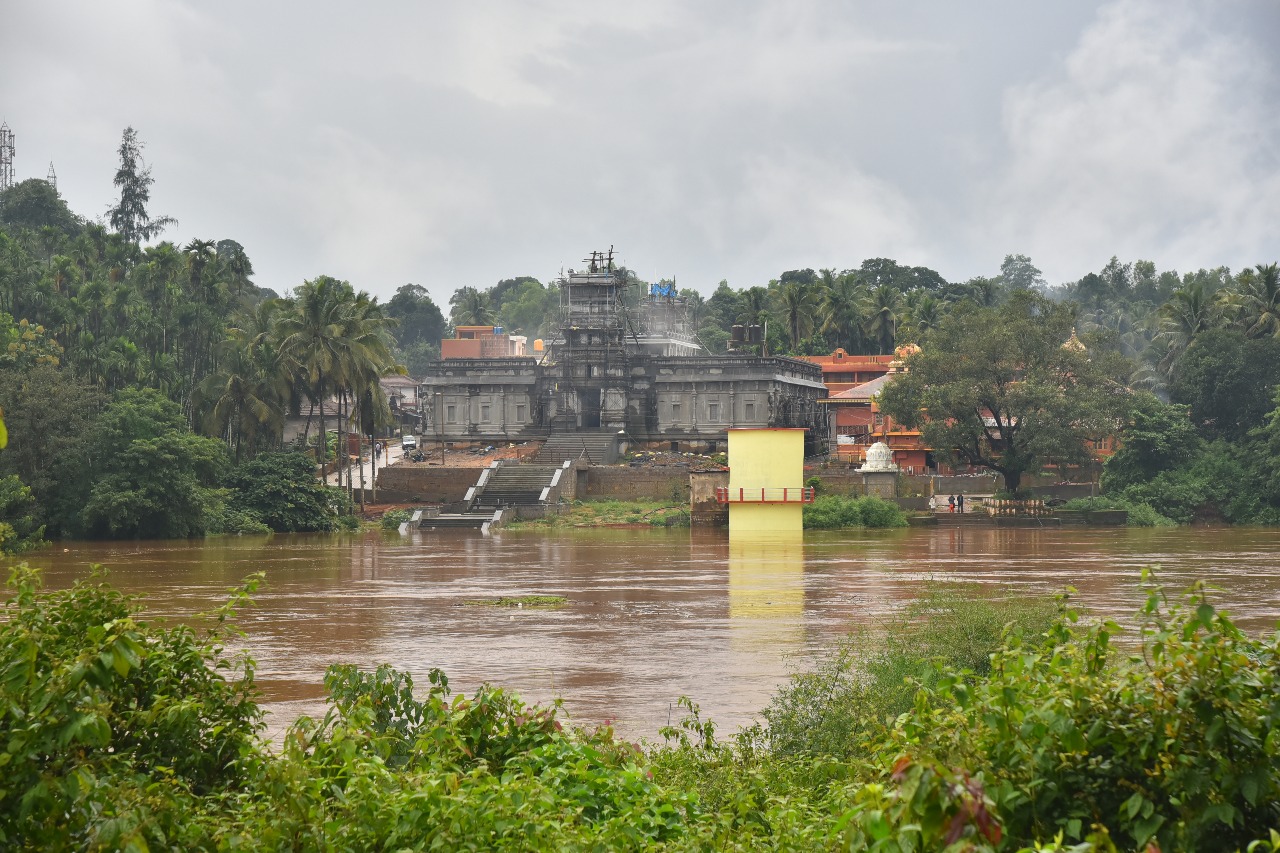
482,342
853,381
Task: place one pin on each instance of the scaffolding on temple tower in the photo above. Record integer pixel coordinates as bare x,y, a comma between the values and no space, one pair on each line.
591,342
6,156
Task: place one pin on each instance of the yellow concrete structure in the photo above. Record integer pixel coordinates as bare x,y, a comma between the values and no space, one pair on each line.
766,480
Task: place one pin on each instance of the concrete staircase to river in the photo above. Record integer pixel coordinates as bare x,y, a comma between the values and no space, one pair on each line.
599,446
515,485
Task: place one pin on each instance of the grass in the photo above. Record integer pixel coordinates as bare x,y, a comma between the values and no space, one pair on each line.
517,601
608,513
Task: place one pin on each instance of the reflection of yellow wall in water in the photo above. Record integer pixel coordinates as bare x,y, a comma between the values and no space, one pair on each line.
766,573
770,459
766,590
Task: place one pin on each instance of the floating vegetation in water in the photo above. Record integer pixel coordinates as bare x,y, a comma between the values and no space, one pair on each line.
517,601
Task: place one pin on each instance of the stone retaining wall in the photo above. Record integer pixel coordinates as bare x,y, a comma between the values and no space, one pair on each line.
425,483
666,483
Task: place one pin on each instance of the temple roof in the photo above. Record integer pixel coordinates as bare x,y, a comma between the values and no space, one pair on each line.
865,391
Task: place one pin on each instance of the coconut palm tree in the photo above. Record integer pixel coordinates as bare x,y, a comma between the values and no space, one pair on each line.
1260,292
882,305
1190,311
240,399
795,302
470,307
840,307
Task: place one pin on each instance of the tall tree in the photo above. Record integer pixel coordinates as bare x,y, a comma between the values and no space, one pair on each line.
1018,273
997,388
129,217
841,309
795,304
419,317
882,304
471,307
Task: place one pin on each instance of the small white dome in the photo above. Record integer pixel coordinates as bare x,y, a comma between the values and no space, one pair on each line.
879,458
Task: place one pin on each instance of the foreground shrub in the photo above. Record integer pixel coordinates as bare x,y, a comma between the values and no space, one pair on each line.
393,518
855,694
110,726
1176,743
116,735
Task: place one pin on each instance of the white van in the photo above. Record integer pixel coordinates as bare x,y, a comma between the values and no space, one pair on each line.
409,442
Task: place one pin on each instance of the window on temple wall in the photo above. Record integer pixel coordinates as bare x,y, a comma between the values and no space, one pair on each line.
520,413
675,411
451,414
751,411
713,412
484,414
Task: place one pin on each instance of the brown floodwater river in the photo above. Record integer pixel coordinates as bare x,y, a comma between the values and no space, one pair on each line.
651,614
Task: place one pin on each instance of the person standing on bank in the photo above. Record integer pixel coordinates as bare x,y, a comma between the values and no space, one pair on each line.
959,503
933,503
951,503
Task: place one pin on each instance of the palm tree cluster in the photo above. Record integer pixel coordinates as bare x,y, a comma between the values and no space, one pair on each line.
866,310
189,322
1154,319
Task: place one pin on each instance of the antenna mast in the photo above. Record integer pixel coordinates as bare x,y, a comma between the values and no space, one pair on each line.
6,157
52,177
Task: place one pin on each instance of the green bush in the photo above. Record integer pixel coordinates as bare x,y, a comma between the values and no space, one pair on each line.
281,491
832,512
393,518
19,530
226,520
113,727
1140,514
1174,743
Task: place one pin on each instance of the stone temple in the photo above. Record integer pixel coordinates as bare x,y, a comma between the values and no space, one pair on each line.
624,363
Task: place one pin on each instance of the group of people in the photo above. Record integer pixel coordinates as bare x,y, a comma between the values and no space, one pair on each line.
955,503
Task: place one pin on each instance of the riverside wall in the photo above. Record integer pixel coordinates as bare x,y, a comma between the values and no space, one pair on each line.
401,483
654,483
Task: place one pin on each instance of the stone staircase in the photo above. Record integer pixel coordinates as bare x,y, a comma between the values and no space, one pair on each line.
514,485
455,521
600,447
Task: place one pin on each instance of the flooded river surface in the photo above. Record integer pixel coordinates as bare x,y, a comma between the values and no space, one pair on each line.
651,614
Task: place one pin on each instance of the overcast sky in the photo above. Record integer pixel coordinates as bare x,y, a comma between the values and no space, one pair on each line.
451,144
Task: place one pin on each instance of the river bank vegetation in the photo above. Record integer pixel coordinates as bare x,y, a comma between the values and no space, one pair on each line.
969,724
95,313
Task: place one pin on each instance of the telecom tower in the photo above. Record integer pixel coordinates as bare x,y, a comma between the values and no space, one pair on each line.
52,177
6,157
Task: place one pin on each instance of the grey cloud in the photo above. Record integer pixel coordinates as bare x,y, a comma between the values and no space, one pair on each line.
452,144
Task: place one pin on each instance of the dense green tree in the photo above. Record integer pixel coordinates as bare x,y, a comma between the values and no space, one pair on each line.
34,204
795,303
470,307
49,414
996,388
840,307
419,318
1157,437
1260,292
147,476
20,527
1018,273
281,491
529,309
1228,381
882,304
130,217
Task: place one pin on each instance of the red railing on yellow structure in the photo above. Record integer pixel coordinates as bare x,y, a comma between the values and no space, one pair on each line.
784,495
